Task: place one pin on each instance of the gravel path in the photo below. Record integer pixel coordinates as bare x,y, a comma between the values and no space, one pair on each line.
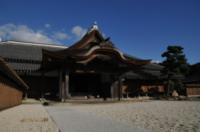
155,116
69,119
26,118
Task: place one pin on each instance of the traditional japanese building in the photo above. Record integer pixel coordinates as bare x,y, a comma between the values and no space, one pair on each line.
93,66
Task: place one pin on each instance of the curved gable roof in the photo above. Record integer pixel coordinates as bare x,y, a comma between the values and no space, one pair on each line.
93,44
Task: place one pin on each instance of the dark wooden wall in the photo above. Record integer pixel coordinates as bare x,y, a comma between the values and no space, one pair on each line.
140,88
193,89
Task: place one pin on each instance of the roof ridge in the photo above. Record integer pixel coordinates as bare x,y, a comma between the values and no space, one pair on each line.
32,43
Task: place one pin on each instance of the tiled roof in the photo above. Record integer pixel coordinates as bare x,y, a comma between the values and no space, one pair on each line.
153,66
149,71
25,56
194,74
25,66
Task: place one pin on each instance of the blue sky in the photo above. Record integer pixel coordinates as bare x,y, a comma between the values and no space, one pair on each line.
142,28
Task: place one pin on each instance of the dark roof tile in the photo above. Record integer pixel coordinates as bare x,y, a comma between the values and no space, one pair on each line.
25,56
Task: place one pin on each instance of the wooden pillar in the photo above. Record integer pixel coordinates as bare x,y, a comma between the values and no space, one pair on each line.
66,85
43,85
105,79
119,89
63,85
60,85
26,94
114,89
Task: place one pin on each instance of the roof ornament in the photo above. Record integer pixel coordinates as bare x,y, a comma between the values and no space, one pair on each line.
94,27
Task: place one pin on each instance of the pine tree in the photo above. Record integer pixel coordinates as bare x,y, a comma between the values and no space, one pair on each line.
175,68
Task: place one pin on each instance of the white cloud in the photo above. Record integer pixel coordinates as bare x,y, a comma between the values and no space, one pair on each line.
60,36
5,29
47,25
78,31
27,34
23,33
156,61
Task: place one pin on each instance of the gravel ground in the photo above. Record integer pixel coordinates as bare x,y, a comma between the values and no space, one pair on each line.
149,116
26,118
157,116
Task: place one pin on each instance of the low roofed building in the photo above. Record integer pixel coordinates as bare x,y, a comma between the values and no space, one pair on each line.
12,86
192,81
26,59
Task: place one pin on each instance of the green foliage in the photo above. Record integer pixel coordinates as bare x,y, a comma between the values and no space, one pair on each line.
175,67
